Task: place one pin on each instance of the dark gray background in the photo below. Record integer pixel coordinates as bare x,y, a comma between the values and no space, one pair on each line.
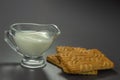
83,23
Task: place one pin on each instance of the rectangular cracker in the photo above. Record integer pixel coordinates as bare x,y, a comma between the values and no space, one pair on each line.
53,59
63,48
76,60
85,63
79,51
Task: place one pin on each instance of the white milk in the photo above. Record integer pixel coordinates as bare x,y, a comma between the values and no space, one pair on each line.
32,43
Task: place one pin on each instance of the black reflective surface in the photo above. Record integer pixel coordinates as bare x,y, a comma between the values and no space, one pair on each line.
83,23
13,71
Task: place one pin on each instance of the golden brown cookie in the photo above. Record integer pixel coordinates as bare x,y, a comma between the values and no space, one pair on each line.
79,51
63,48
76,60
83,63
54,60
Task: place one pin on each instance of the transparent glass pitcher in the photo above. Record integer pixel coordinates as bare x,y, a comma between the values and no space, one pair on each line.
31,40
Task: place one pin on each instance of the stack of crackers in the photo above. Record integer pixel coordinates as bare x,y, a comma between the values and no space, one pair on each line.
76,60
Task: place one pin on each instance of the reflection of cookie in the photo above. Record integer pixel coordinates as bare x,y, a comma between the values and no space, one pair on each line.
53,59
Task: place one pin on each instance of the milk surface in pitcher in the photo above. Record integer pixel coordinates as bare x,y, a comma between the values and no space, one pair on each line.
33,43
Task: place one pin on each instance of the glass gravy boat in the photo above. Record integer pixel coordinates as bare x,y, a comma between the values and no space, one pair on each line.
31,40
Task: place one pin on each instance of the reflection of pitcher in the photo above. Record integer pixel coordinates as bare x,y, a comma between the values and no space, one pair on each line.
31,40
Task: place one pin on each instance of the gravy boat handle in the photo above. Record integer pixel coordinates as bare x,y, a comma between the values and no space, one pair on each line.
9,40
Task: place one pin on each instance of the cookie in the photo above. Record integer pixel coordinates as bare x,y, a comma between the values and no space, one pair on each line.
76,60
79,51
63,48
83,63
54,60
